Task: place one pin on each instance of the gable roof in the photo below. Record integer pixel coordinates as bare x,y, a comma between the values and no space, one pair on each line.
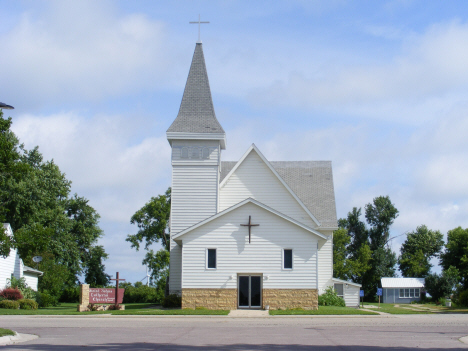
196,113
310,181
242,203
30,270
402,282
336,280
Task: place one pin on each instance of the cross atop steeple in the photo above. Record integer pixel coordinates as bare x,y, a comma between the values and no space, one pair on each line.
199,23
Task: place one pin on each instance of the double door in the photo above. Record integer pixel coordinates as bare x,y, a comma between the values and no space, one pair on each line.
250,291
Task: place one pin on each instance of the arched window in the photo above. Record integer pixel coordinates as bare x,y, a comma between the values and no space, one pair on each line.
195,153
184,152
206,153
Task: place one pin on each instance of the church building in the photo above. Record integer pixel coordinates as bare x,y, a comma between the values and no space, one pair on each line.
247,234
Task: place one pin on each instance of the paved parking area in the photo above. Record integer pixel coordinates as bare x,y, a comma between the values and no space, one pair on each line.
193,333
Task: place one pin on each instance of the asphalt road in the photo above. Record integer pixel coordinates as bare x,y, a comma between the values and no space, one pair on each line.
190,333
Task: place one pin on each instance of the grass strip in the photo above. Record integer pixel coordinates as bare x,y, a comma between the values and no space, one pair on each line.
130,309
323,310
5,332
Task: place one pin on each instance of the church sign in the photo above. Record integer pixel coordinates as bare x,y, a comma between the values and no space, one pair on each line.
91,297
105,295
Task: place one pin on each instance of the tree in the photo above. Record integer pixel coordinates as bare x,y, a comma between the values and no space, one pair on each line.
367,248
417,250
35,199
347,264
356,230
94,268
456,253
153,228
380,215
152,221
442,285
11,170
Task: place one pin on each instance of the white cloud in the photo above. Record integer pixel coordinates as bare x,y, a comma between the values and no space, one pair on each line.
98,155
428,74
81,51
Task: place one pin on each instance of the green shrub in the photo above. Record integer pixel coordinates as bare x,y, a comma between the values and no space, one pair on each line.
27,304
172,300
70,294
10,304
463,298
441,301
330,298
140,293
21,285
44,299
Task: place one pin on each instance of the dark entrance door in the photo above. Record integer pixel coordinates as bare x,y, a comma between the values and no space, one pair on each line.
250,291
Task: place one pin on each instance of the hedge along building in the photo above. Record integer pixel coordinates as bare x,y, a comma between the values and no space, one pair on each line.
244,234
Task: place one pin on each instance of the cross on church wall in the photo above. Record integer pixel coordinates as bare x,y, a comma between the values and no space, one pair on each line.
250,225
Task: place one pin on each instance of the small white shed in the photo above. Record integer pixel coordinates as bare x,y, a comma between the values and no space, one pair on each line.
349,291
402,290
31,276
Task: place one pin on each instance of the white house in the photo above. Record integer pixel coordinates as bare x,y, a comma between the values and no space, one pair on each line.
245,234
13,266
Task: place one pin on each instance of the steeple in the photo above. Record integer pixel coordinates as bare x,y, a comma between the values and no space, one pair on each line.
197,118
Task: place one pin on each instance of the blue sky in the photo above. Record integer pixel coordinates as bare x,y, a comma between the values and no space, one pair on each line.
378,87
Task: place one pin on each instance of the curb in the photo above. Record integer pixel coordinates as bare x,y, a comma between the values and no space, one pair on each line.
464,339
17,338
219,316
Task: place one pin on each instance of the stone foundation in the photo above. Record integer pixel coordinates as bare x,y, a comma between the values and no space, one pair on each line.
213,299
290,298
226,299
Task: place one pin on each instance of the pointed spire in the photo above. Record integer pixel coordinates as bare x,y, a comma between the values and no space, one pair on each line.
196,113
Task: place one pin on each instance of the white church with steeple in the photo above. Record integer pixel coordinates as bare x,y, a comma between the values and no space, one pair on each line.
251,233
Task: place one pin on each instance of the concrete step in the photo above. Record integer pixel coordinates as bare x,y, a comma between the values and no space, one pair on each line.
248,313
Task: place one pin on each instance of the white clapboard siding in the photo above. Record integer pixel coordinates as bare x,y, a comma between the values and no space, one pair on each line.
194,196
175,268
254,179
263,255
351,295
325,265
31,280
11,265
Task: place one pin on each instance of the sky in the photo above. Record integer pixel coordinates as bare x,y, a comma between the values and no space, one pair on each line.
380,88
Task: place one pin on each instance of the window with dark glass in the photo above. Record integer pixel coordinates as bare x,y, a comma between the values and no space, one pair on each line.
211,258
287,259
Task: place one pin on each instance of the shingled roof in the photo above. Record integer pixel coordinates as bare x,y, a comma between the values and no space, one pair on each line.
311,181
196,113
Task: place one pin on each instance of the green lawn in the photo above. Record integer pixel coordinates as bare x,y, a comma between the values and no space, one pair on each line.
323,310
5,332
130,309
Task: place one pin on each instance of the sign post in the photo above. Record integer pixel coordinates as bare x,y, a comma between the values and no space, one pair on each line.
361,294
379,293
117,280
